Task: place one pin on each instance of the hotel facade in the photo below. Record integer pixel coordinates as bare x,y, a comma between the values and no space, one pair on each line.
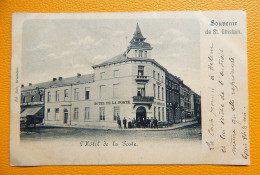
130,85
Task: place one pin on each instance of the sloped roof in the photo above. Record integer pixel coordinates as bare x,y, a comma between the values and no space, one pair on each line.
117,59
138,34
89,78
134,45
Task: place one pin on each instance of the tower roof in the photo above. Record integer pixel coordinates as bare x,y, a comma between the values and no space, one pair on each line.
138,34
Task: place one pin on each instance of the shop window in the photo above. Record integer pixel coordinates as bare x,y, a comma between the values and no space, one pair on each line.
86,113
102,113
116,112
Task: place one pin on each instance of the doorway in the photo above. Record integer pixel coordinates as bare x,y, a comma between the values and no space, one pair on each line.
140,117
66,114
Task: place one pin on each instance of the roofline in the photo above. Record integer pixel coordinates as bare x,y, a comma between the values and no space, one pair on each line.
131,59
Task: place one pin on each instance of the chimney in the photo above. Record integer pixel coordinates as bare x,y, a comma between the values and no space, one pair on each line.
54,79
78,74
60,78
30,84
22,85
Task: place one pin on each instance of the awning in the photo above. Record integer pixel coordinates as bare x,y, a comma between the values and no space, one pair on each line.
30,111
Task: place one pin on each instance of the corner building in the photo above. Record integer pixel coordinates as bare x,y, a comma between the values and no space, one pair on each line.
130,85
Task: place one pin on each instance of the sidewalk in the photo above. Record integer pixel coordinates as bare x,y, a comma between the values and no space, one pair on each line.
174,126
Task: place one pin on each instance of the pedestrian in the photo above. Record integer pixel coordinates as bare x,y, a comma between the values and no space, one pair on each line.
151,123
124,122
155,123
134,123
119,123
129,123
148,121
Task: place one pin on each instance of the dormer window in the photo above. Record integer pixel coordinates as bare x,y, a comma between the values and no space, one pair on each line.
135,53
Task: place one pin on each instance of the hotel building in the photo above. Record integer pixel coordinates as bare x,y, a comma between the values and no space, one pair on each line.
130,85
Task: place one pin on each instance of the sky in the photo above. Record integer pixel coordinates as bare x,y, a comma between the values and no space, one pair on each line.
53,48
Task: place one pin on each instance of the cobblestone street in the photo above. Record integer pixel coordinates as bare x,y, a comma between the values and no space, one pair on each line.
192,132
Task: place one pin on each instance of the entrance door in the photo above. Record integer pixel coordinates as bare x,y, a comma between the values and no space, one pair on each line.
140,117
66,114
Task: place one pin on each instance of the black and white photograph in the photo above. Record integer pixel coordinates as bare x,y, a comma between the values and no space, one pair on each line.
114,76
132,86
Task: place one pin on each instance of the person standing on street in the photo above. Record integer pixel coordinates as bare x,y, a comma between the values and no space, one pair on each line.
124,122
119,123
151,124
155,123
129,123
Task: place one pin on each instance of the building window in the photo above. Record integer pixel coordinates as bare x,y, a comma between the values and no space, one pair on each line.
162,113
49,97
140,70
140,53
76,113
57,95
76,94
102,113
66,94
116,112
162,78
159,117
154,90
116,73
32,98
154,113
145,54
135,53
159,76
141,90
102,75
86,113
48,111
115,90
153,74
162,93
24,99
87,93
101,91
57,110
158,92
41,97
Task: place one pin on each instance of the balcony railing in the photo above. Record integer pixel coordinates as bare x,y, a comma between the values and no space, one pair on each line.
142,78
143,99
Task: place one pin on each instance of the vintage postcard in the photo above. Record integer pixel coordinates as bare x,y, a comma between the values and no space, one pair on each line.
129,88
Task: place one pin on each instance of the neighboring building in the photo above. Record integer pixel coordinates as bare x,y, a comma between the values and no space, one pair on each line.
185,102
173,110
130,85
32,102
197,107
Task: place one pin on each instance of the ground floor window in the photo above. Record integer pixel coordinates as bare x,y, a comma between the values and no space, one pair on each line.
154,112
163,114
76,113
159,117
57,113
86,113
48,113
102,113
116,112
